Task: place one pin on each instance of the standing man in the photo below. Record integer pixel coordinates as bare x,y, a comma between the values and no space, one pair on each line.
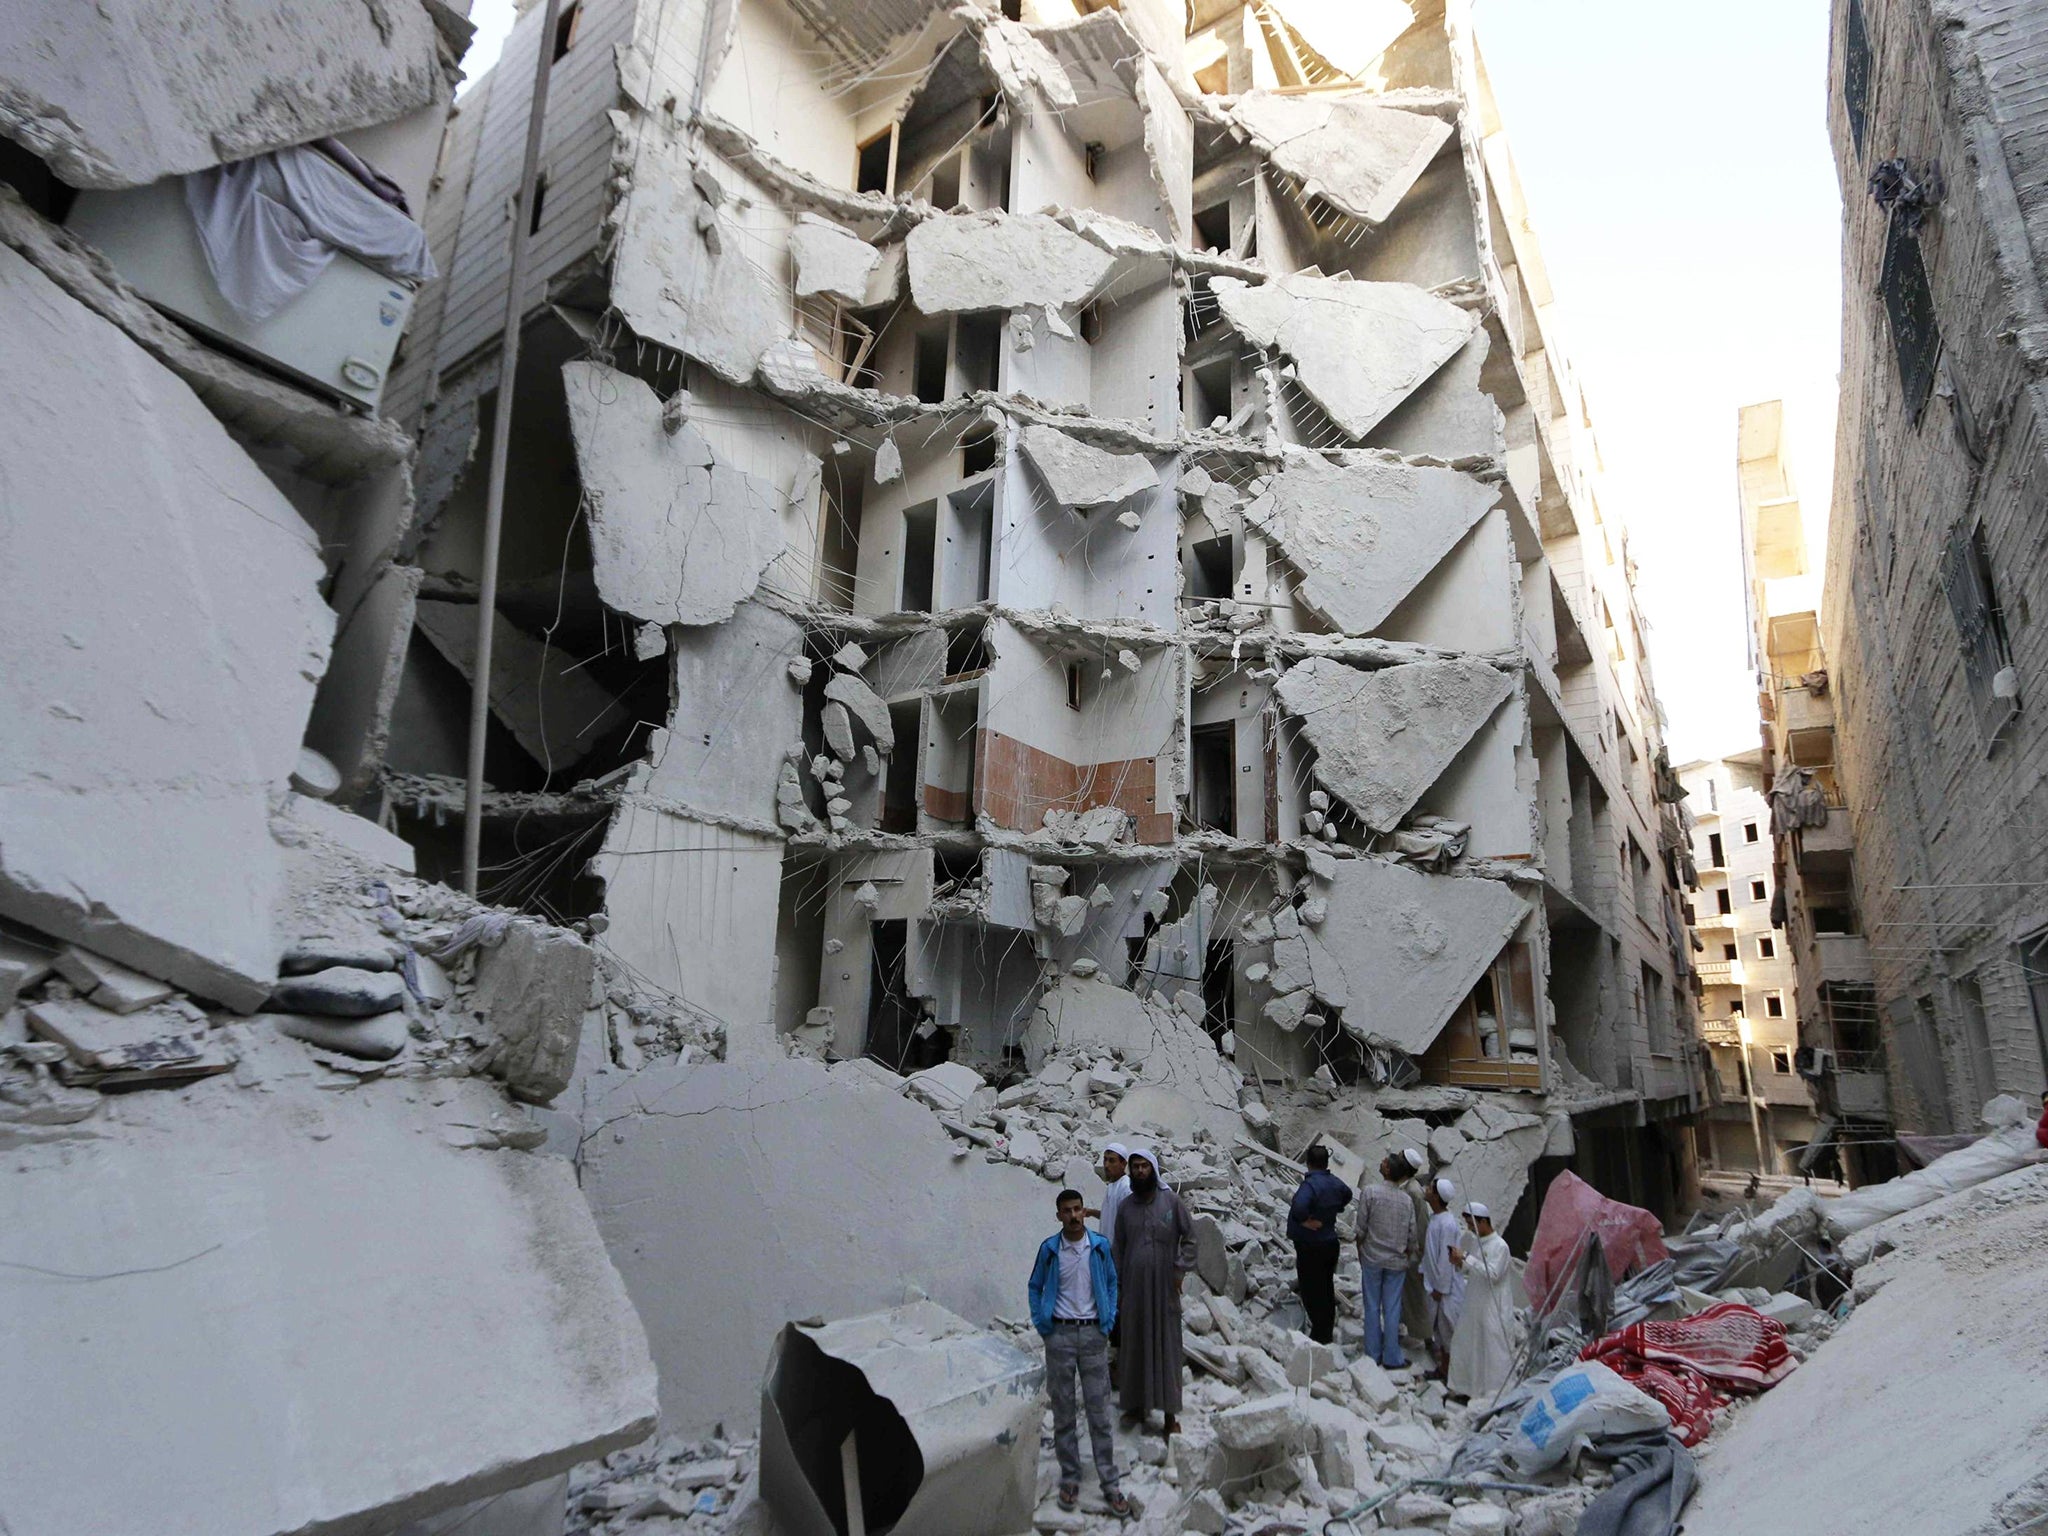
1073,1307
1442,1280
1386,1229
1114,1187
1483,1348
1154,1248
1312,1226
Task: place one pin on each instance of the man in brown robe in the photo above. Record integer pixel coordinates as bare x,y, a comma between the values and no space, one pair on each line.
1154,1246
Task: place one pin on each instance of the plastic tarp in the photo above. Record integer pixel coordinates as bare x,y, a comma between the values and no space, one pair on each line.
1693,1364
1630,1236
271,225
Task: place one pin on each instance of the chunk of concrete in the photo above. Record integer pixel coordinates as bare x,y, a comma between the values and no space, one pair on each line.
1364,535
161,654
1082,476
1372,1383
831,260
1354,154
22,965
865,705
838,728
340,992
961,263
1400,950
372,1039
1496,1172
1359,349
111,986
946,1087
1787,1308
1167,1049
120,98
540,693
943,1418
1403,1439
1383,737
532,989
676,537
1264,1421
882,1205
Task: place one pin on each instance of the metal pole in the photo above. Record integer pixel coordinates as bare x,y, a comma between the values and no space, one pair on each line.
501,443
1756,1130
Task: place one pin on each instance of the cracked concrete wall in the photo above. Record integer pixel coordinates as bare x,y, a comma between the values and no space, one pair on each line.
121,97
163,655
1358,156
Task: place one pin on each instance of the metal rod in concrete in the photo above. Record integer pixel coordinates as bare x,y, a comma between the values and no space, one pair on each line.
501,443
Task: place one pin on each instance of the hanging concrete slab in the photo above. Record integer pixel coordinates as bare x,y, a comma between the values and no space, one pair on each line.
676,537
831,260
1398,950
1382,738
1359,349
554,711
1362,535
1082,476
969,262
930,1420
1353,154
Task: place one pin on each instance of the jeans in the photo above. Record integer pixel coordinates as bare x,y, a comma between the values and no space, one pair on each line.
1315,1281
1380,1289
1083,1350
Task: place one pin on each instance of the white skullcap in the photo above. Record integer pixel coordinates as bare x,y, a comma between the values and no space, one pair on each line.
1478,1212
1118,1148
1416,1160
1445,1189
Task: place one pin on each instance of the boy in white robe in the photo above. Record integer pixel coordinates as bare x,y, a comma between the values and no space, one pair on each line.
1483,1347
1442,1281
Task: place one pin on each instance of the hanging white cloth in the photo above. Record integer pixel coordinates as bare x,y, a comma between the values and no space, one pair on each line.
1483,1348
270,225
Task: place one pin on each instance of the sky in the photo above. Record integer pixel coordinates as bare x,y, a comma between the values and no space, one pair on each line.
1676,165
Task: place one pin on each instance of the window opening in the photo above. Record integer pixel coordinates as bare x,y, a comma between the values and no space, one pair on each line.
567,25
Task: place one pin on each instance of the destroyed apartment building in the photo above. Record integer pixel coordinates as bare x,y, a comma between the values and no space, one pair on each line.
1050,553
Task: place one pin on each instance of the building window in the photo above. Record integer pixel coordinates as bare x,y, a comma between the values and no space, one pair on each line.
1691,917
1727,951
1766,947
1721,902
1717,857
1980,626
567,24
540,202
1781,1061
1075,684
1909,304
1855,72
1749,833
1757,891
1774,1005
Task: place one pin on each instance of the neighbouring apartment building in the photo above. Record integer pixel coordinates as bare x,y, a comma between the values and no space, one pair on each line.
1935,618
1017,509
1749,1009
1840,1051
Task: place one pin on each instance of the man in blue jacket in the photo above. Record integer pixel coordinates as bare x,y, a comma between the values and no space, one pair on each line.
1312,1225
1073,1307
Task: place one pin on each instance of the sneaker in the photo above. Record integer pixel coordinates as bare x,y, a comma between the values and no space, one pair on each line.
1070,1496
1119,1504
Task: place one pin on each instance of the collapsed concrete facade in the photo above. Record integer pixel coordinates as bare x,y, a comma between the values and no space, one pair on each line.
1053,566
1936,579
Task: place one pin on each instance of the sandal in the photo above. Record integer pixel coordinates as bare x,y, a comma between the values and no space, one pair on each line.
1070,1496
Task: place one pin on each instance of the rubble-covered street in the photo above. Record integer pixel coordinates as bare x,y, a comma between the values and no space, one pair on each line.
893,768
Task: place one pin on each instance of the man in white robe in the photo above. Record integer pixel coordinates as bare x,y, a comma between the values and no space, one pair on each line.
1483,1347
1442,1281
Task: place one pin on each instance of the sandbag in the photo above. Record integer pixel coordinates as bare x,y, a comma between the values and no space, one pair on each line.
1578,1404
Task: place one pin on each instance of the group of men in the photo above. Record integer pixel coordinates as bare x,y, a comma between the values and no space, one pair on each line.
1121,1283
1465,1269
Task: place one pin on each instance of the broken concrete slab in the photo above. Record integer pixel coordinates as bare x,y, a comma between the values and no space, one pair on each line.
351,721
802,1236
532,988
1450,415
1363,534
1400,950
379,1038
119,98
1359,349
946,1087
831,260
1354,154
111,986
1082,476
1383,737
537,691
161,658
364,1361
735,717
676,537
865,705
1169,1051
330,823
963,263
1496,1172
